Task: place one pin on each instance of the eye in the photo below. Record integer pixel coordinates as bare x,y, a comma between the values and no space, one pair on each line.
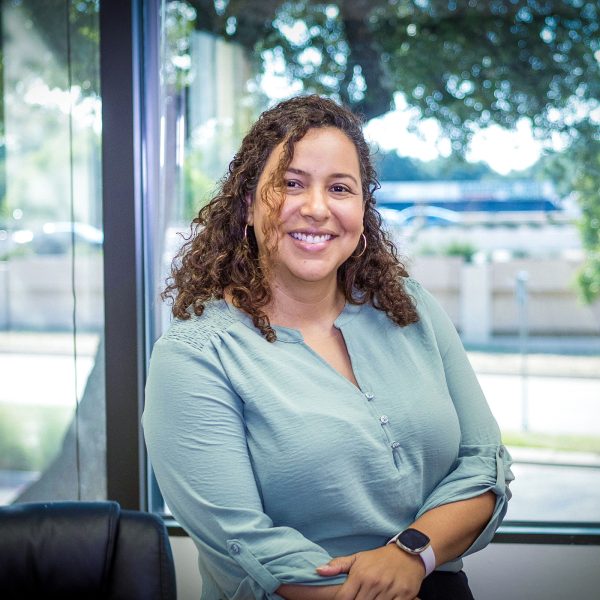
292,184
338,188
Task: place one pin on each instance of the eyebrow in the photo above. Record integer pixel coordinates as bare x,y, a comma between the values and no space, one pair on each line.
301,172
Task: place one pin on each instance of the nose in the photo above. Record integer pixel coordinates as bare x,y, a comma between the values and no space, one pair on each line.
316,204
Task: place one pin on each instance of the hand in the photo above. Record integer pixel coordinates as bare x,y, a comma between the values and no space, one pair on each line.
385,573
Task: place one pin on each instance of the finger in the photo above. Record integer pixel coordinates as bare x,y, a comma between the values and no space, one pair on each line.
329,570
340,564
367,592
348,590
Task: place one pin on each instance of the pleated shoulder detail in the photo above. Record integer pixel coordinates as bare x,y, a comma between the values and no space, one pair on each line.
197,331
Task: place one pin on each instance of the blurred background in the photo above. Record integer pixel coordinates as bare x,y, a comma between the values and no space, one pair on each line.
484,122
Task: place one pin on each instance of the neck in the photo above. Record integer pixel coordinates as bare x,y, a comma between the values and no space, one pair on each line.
305,308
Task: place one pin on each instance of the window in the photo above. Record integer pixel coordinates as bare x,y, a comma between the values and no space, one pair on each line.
494,236
52,425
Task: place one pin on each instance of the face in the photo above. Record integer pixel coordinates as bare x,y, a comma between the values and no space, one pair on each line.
321,217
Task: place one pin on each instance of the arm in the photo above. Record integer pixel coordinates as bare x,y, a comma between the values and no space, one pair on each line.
303,592
195,433
452,528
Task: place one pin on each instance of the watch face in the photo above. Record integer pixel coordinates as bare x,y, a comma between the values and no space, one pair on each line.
413,539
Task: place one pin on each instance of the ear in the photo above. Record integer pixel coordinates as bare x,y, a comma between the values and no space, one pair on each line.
250,205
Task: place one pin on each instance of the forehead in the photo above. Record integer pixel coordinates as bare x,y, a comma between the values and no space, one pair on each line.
321,148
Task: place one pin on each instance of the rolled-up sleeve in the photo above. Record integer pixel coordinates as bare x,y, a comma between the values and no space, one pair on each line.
195,434
483,463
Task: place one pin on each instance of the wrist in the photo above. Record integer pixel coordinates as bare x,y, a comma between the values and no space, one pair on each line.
415,543
407,561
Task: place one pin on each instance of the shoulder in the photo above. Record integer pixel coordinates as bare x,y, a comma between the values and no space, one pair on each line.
424,301
433,318
412,287
432,315
199,331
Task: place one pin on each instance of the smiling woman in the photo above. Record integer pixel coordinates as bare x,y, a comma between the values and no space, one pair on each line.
300,470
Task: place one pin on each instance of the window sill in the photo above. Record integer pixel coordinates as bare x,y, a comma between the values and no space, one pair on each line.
513,532
528,532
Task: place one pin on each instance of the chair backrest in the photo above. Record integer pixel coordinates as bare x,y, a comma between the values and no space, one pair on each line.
91,550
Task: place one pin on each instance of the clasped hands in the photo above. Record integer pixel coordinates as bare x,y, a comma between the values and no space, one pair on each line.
385,573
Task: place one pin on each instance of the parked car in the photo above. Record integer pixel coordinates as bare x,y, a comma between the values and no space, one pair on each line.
52,238
421,216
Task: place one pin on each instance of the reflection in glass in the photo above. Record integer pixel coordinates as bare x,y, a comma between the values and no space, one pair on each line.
51,316
484,121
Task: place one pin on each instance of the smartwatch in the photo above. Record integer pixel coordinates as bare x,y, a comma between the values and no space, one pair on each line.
415,542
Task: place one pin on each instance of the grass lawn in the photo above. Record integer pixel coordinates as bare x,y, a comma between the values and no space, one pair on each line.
565,443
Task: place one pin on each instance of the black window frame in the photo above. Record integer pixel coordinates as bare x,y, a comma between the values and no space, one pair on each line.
121,60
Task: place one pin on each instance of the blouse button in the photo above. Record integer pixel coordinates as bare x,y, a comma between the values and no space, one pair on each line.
369,396
383,419
395,445
235,549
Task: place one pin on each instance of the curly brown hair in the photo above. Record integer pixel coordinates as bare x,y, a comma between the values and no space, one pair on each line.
221,252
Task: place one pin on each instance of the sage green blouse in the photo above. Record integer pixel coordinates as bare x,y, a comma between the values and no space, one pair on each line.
274,463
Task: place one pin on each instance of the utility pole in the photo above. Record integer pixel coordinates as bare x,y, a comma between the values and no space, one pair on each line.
522,298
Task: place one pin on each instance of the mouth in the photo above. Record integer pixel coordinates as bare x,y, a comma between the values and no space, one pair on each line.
311,238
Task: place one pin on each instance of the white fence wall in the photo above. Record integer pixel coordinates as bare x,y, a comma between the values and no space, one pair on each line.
35,293
481,298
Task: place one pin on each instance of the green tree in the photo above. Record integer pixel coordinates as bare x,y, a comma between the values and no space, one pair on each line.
456,168
393,167
578,169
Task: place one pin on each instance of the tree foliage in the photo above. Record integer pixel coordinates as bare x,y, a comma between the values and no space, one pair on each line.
467,63
463,62
391,166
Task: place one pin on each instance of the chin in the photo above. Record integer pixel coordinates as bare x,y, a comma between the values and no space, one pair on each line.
313,276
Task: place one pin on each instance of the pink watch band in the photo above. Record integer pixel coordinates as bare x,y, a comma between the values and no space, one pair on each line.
428,558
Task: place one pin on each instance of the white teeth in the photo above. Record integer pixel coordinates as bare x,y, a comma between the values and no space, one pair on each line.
310,238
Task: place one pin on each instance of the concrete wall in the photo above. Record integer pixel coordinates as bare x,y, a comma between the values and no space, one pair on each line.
499,572
35,293
481,298
553,305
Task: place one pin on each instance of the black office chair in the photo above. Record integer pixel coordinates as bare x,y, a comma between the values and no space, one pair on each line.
84,550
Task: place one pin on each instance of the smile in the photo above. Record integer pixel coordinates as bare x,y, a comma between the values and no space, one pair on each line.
309,238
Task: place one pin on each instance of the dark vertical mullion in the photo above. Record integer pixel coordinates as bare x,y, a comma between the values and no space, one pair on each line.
120,78
151,189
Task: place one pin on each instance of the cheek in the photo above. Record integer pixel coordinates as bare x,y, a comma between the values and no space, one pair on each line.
353,217
289,209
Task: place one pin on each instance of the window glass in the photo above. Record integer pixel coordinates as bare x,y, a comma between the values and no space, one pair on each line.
487,158
52,427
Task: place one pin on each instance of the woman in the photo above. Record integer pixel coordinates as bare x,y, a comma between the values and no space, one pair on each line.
310,401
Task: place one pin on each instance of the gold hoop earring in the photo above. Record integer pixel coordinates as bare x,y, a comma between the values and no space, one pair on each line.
245,238
364,237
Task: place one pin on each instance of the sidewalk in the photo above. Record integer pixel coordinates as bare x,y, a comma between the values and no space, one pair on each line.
569,345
